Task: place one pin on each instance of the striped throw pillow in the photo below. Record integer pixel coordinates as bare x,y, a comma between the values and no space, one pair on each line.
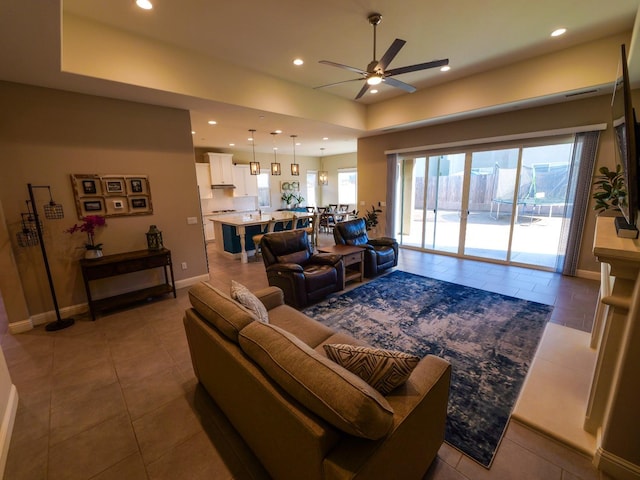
383,369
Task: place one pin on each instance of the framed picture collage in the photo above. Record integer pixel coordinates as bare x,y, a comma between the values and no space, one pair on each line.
111,195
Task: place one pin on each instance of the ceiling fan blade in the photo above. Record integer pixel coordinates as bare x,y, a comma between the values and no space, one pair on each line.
391,53
338,83
363,90
345,67
415,68
398,84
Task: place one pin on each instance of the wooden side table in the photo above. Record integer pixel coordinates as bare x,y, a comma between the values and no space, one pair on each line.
352,259
127,262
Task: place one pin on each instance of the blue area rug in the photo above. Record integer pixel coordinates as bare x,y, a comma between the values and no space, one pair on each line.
490,340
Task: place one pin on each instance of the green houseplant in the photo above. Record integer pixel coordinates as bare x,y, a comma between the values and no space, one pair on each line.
291,198
610,191
371,218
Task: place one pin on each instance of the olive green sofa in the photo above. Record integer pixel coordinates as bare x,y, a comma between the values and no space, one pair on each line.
303,416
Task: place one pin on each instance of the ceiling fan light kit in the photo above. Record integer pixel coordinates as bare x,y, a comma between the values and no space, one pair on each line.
377,72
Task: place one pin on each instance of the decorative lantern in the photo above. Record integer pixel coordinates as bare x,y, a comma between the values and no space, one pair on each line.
154,238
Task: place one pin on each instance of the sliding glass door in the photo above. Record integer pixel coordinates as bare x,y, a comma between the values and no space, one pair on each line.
431,202
505,204
492,203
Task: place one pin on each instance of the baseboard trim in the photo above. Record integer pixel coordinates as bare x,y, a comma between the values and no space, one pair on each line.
615,466
588,274
81,308
21,326
187,282
65,312
6,429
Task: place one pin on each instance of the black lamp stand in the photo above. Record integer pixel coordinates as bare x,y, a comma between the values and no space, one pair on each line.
59,323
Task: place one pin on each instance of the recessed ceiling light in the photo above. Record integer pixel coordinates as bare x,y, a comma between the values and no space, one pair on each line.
325,138
298,62
558,32
193,132
212,122
144,4
373,91
232,144
446,68
277,131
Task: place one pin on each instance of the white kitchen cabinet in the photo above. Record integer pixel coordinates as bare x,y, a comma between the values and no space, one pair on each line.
221,165
203,176
246,184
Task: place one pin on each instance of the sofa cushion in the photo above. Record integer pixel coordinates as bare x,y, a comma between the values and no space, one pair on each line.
331,392
224,313
384,370
297,323
242,294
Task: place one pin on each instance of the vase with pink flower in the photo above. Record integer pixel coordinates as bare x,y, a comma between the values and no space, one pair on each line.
89,226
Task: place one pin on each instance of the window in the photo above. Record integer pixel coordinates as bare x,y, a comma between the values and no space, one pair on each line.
264,193
312,181
347,186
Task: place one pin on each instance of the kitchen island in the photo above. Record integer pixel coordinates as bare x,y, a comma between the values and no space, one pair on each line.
234,233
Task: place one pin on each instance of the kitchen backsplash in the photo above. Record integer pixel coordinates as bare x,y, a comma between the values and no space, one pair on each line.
224,200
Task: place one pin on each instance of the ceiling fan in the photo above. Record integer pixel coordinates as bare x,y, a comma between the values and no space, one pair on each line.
376,70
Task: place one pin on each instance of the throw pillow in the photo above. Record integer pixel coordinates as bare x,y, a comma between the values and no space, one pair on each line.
242,294
384,370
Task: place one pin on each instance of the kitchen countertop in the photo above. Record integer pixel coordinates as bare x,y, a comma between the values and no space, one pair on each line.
256,219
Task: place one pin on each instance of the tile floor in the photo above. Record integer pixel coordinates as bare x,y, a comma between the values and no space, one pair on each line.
117,398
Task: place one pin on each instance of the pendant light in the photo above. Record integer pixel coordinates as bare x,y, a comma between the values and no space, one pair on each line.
275,166
323,175
254,167
295,168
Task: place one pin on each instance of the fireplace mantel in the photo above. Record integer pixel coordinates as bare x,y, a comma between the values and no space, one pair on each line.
612,413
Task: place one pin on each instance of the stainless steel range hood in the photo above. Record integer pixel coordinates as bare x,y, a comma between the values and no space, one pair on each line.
221,186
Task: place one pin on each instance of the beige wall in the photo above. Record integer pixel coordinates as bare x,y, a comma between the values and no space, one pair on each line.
595,110
46,135
331,163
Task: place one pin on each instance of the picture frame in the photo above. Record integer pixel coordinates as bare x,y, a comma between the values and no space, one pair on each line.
139,203
111,195
136,185
114,186
288,187
89,187
92,206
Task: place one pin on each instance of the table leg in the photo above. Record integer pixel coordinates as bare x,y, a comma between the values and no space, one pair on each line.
240,230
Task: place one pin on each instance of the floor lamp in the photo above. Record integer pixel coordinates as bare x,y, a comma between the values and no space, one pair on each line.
52,211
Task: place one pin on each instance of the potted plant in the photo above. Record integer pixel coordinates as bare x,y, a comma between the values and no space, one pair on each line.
89,225
298,199
610,191
292,199
371,219
287,198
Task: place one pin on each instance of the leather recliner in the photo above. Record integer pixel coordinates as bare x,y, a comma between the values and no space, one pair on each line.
380,254
292,266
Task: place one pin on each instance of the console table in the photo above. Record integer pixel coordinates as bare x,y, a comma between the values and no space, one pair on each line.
120,264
